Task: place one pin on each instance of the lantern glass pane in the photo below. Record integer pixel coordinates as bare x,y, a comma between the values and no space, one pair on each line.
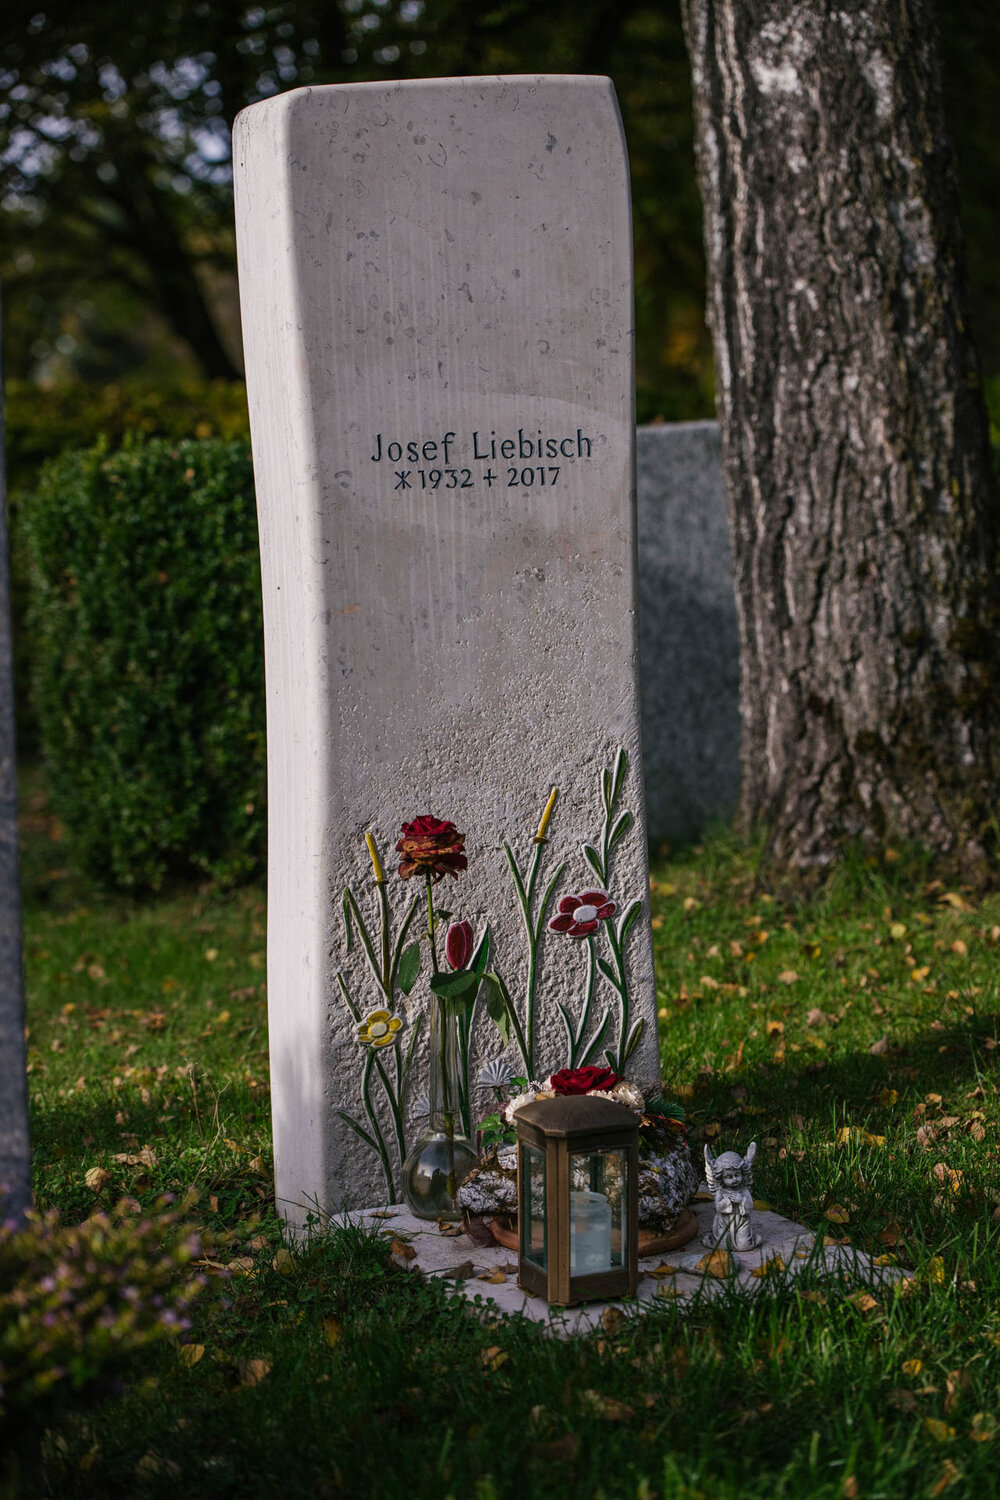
597,1211
532,1206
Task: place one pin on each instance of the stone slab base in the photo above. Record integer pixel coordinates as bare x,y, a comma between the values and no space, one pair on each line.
487,1276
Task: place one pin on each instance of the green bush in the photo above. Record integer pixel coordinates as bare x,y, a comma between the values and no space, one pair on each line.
75,1299
147,657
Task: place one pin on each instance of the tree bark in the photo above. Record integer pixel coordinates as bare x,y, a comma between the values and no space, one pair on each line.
15,1154
856,449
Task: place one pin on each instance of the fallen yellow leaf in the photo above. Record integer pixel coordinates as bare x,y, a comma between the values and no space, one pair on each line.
189,1354
863,1301
950,1177
253,1371
897,930
938,1430
912,1366
493,1357
284,1260
493,1278
984,1427
888,1097
97,1178
403,1250
333,1331
663,1270
837,1214
612,1318
607,1407
772,1267
718,1263
950,1473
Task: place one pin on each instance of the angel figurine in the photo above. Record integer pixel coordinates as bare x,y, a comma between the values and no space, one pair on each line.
729,1177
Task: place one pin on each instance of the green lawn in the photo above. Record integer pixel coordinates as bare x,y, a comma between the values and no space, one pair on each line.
853,1035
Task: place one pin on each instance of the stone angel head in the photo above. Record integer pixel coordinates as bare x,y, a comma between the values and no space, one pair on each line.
730,1170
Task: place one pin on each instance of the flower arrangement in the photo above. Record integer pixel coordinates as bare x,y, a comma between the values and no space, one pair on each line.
667,1177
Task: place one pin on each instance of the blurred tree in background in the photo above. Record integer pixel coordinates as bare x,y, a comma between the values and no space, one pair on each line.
115,172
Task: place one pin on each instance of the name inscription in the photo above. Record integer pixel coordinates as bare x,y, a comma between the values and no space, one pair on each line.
444,454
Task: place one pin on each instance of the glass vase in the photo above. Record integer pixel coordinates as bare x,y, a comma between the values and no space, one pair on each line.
437,1164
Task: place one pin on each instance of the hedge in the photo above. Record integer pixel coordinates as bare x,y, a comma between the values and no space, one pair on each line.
146,645
44,422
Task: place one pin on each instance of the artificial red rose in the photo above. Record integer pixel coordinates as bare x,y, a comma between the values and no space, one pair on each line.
430,847
458,945
583,1080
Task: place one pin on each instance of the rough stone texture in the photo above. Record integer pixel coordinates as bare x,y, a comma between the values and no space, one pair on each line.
15,1153
442,263
688,637
787,1249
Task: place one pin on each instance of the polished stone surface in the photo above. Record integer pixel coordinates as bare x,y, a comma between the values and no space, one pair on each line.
688,640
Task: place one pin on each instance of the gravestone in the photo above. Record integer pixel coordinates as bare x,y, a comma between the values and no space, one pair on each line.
689,648
15,1152
436,290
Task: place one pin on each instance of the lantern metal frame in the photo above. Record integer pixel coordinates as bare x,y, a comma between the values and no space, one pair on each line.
558,1128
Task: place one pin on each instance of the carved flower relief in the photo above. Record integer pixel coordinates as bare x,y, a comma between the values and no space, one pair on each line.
579,915
432,848
378,1029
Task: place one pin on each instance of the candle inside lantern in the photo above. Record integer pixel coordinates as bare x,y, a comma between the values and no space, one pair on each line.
590,1233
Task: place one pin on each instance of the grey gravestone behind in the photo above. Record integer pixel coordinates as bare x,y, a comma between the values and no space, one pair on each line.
436,286
15,1155
688,641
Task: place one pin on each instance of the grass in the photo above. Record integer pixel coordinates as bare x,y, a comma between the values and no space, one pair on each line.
854,1036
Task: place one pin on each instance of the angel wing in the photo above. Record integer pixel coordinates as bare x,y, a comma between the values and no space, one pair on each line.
748,1164
709,1170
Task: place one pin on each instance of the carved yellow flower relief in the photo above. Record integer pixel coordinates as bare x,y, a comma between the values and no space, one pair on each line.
378,1029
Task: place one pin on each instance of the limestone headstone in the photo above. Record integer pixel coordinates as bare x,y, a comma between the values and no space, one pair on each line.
437,309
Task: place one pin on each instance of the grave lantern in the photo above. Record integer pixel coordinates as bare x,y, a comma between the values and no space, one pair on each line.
577,1186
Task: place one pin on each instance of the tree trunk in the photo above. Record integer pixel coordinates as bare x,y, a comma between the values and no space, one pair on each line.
856,453
15,1156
